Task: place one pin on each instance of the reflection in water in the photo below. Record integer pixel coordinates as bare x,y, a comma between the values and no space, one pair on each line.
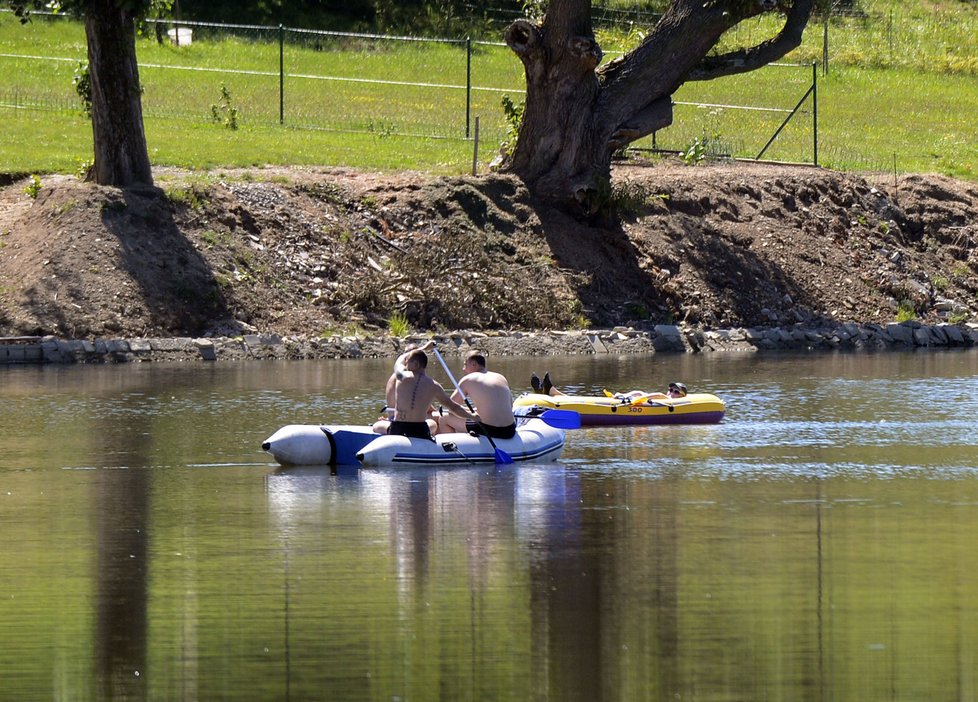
819,607
122,566
565,593
122,585
430,513
818,544
576,610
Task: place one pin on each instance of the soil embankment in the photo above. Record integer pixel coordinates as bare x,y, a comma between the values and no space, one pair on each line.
332,254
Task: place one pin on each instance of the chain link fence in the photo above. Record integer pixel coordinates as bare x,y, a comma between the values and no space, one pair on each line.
435,87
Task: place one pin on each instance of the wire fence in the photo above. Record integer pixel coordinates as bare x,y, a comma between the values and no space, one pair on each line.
435,87
345,82
931,36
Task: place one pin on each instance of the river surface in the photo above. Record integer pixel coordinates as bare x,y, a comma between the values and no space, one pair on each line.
821,543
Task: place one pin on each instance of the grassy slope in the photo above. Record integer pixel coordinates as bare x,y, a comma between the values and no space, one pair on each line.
900,94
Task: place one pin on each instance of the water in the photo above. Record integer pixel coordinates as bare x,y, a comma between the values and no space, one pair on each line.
818,544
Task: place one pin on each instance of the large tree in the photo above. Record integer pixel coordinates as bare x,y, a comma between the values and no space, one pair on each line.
578,114
121,157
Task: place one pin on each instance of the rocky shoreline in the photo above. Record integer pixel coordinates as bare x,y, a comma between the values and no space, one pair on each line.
663,338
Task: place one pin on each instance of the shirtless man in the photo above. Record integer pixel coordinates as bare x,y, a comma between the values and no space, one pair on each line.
490,394
384,422
414,392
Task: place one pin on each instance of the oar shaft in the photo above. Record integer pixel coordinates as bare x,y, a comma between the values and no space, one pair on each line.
451,377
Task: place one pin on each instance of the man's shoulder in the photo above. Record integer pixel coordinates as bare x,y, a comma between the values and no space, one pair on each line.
432,383
493,378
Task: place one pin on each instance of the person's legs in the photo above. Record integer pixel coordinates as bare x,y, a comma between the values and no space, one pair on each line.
548,388
450,424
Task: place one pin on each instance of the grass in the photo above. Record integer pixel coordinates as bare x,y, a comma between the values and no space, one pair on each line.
398,325
900,95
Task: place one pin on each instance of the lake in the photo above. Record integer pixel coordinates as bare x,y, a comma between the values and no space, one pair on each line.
819,543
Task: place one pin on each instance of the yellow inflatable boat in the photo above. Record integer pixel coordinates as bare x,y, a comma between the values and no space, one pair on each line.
654,408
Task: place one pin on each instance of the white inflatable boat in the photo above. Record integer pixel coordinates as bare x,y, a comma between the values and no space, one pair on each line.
537,439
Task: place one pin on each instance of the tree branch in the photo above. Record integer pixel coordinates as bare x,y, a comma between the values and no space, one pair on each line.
526,40
745,60
523,37
656,115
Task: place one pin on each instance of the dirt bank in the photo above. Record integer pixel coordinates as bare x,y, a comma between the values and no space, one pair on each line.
318,252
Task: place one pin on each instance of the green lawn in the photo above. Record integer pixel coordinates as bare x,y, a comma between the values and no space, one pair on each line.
900,93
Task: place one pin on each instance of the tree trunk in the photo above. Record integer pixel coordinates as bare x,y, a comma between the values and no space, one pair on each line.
556,153
578,115
121,157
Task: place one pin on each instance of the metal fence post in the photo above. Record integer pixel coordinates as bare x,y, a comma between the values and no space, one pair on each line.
814,113
825,45
281,74
889,33
468,84
475,149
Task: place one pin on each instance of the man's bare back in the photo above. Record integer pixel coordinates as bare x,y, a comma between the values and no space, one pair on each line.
415,391
487,390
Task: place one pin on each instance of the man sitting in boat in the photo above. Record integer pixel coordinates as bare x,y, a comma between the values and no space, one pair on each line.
414,393
547,387
383,423
490,394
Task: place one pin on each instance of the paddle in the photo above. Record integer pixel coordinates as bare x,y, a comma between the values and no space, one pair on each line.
559,419
648,396
653,397
501,456
638,400
632,401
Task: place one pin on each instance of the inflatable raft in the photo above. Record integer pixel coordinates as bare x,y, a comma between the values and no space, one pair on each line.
315,444
695,408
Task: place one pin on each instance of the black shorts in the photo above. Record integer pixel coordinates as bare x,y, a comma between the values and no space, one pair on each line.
507,432
413,430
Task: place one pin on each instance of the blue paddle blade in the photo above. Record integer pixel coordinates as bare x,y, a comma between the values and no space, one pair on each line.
503,457
562,419
559,419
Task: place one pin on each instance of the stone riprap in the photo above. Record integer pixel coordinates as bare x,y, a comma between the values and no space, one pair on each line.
663,338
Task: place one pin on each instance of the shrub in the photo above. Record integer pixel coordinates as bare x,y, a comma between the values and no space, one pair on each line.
33,187
906,312
398,325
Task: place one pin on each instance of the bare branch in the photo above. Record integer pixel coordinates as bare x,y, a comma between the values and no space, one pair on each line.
745,60
656,115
